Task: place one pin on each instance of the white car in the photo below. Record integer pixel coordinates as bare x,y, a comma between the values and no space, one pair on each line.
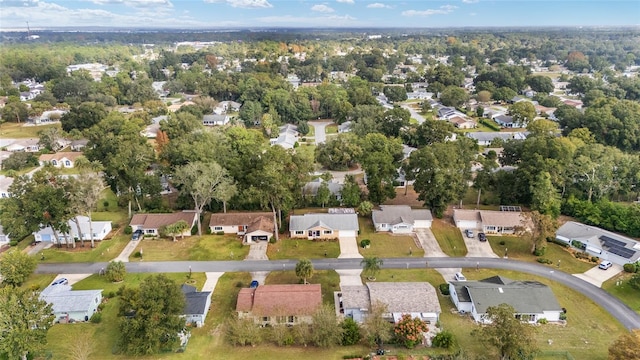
605,265
459,277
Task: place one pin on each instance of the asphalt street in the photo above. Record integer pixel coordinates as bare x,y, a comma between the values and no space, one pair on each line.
629,318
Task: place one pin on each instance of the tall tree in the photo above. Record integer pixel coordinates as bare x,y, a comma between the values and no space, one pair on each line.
151,318
522,112
626,347
25,322
371,266
304,269
375,328
202,181
511,337
83,116
351,193
50,138
16,267
326,331
380,160
85,191
544,196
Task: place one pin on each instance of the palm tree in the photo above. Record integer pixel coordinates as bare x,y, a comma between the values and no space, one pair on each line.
304,269
371,267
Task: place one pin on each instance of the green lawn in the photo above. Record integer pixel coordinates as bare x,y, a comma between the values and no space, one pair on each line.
287,248
110,200
449,238
105,250
520,249
197,248
11,130
134,279
328,280
588,333
38,281
312,131
624,292
331,129
385,245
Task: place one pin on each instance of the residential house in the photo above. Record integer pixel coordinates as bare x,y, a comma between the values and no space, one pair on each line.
150,224
151,130
598,242
345,127
253,227
506,121
574,103
310,189
196,305
485,138
215,120
78,145
400,219
287,137
175,107
462,122
225,107
60,159
279,304
27,95
323,226
49,116
419,299
71,305
491,222
28,145
4,238
531,300
5,183
100,231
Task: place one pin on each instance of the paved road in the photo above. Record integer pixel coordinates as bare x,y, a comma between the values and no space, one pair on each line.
414,114
629,318
320,131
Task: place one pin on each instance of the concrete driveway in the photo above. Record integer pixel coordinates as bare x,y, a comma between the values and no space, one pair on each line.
475,247
258,251
73,278
432,249
348,248
320,130
212,281
597,276
350,277
414,114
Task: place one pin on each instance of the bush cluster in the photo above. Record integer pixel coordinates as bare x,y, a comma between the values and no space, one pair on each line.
544,261
444,289
605,214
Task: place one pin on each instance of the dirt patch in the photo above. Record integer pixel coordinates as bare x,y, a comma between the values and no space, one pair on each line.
411,198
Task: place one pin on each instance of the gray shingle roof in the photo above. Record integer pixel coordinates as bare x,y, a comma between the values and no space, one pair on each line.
63,299
405,297
396,214
330,221
591,235
195,301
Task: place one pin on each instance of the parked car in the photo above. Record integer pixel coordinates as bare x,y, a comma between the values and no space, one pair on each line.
605,265
61,281
482,236
459,277
254,284
136,235
469,233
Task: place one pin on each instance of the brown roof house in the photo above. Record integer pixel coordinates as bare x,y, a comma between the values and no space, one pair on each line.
60,160
253,227
150,224
279,304
491,222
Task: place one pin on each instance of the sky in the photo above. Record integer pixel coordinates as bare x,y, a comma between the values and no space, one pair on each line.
14,14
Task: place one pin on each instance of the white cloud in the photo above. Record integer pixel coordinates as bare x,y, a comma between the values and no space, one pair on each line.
307,21
442,10
345,1
322,8
378,6
470,1
244,4
134,3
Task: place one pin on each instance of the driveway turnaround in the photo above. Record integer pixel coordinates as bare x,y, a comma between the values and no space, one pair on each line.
597,276
623,313
320,130
349,248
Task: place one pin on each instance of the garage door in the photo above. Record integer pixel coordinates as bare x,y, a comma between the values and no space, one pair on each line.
466,224
45,237
260,237
347,233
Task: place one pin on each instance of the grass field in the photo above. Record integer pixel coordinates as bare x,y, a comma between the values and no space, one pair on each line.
197,248
105,250
287,248
624,292
11,130
328,280
519,249
449,238
385,245
331,129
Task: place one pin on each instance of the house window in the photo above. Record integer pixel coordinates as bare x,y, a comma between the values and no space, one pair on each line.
299,232
67,163
265,318
217,228
151,231
54,163
292,319
328,232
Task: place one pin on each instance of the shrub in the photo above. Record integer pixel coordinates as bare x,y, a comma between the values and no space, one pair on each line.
444,289
502,242
365,242
105,204
409,330
563,316
109,294
282,335
544,261
128,230
96,318
594,259
630,268
116,271
239,284
351,332
137,254
219,232
539,251
194,230
13,243
581,255
207,231
272,240
543,321
444,339
634,282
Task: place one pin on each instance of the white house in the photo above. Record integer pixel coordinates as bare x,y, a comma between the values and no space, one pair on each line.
491,222
215,120
599,242
71,305
5,183
196,305
287,137
401,219
60,159
100,231
324,226
4,238
150,224
531,300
